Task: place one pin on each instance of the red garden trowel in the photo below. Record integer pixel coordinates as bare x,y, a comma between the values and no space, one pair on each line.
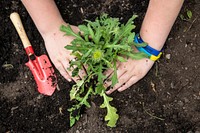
40,66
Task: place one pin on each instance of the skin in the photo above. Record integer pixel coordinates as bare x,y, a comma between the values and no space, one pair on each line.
48,20
158,21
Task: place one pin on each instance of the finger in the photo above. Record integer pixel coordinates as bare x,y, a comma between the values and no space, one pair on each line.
120,71
129,83
107,83
122,80
108,72
110,91
66,65
75,28
64,73
82,72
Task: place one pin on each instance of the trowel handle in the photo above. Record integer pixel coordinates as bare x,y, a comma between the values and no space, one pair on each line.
15,18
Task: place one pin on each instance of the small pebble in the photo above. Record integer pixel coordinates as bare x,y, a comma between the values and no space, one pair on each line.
77,131
25,75
168,56
39,96
180,103
186,45
186,100
193,48
172,85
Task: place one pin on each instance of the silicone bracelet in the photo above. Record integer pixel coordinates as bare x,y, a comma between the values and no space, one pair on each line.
147,48
152,53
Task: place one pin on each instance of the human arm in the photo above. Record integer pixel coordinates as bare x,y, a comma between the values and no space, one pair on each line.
45,14
158,21
48,20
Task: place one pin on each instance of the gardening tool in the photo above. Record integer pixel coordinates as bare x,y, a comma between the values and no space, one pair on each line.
40,66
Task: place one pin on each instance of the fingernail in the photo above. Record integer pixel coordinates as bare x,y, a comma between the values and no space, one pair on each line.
108,92
69,80
120,89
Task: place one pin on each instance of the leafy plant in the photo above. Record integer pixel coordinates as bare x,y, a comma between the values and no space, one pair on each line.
98,46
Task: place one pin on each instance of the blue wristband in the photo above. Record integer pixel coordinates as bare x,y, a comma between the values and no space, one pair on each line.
149,49
152,53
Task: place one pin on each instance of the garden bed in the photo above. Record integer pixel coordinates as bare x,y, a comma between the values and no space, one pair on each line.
166,100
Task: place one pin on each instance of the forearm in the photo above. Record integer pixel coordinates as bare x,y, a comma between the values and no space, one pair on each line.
158,21
44,13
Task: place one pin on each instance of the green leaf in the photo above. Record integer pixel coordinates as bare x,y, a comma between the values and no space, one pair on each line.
75,89
76,54
124,47
87,53
114,76
137,56
126,30
83,100
111,115
107,63
140,44
91,32
75,48
99,89
72,118
97,36
68,30
76,64
121,59
75,108
130,21
131,38
189,14
84,29
75,72
101,77
182,17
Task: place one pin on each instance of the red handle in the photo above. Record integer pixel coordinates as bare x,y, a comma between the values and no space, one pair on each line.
29,50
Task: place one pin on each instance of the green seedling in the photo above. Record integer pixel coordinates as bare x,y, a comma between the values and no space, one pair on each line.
187,16
99,46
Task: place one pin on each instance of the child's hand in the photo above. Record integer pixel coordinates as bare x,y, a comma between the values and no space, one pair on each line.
55,41
129,73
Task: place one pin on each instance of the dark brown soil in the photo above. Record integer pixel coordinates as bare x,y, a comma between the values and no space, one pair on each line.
167,100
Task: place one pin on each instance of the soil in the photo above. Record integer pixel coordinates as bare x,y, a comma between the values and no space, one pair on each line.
166,100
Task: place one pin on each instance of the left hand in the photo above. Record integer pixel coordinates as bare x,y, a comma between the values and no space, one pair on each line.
55,41
129,73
